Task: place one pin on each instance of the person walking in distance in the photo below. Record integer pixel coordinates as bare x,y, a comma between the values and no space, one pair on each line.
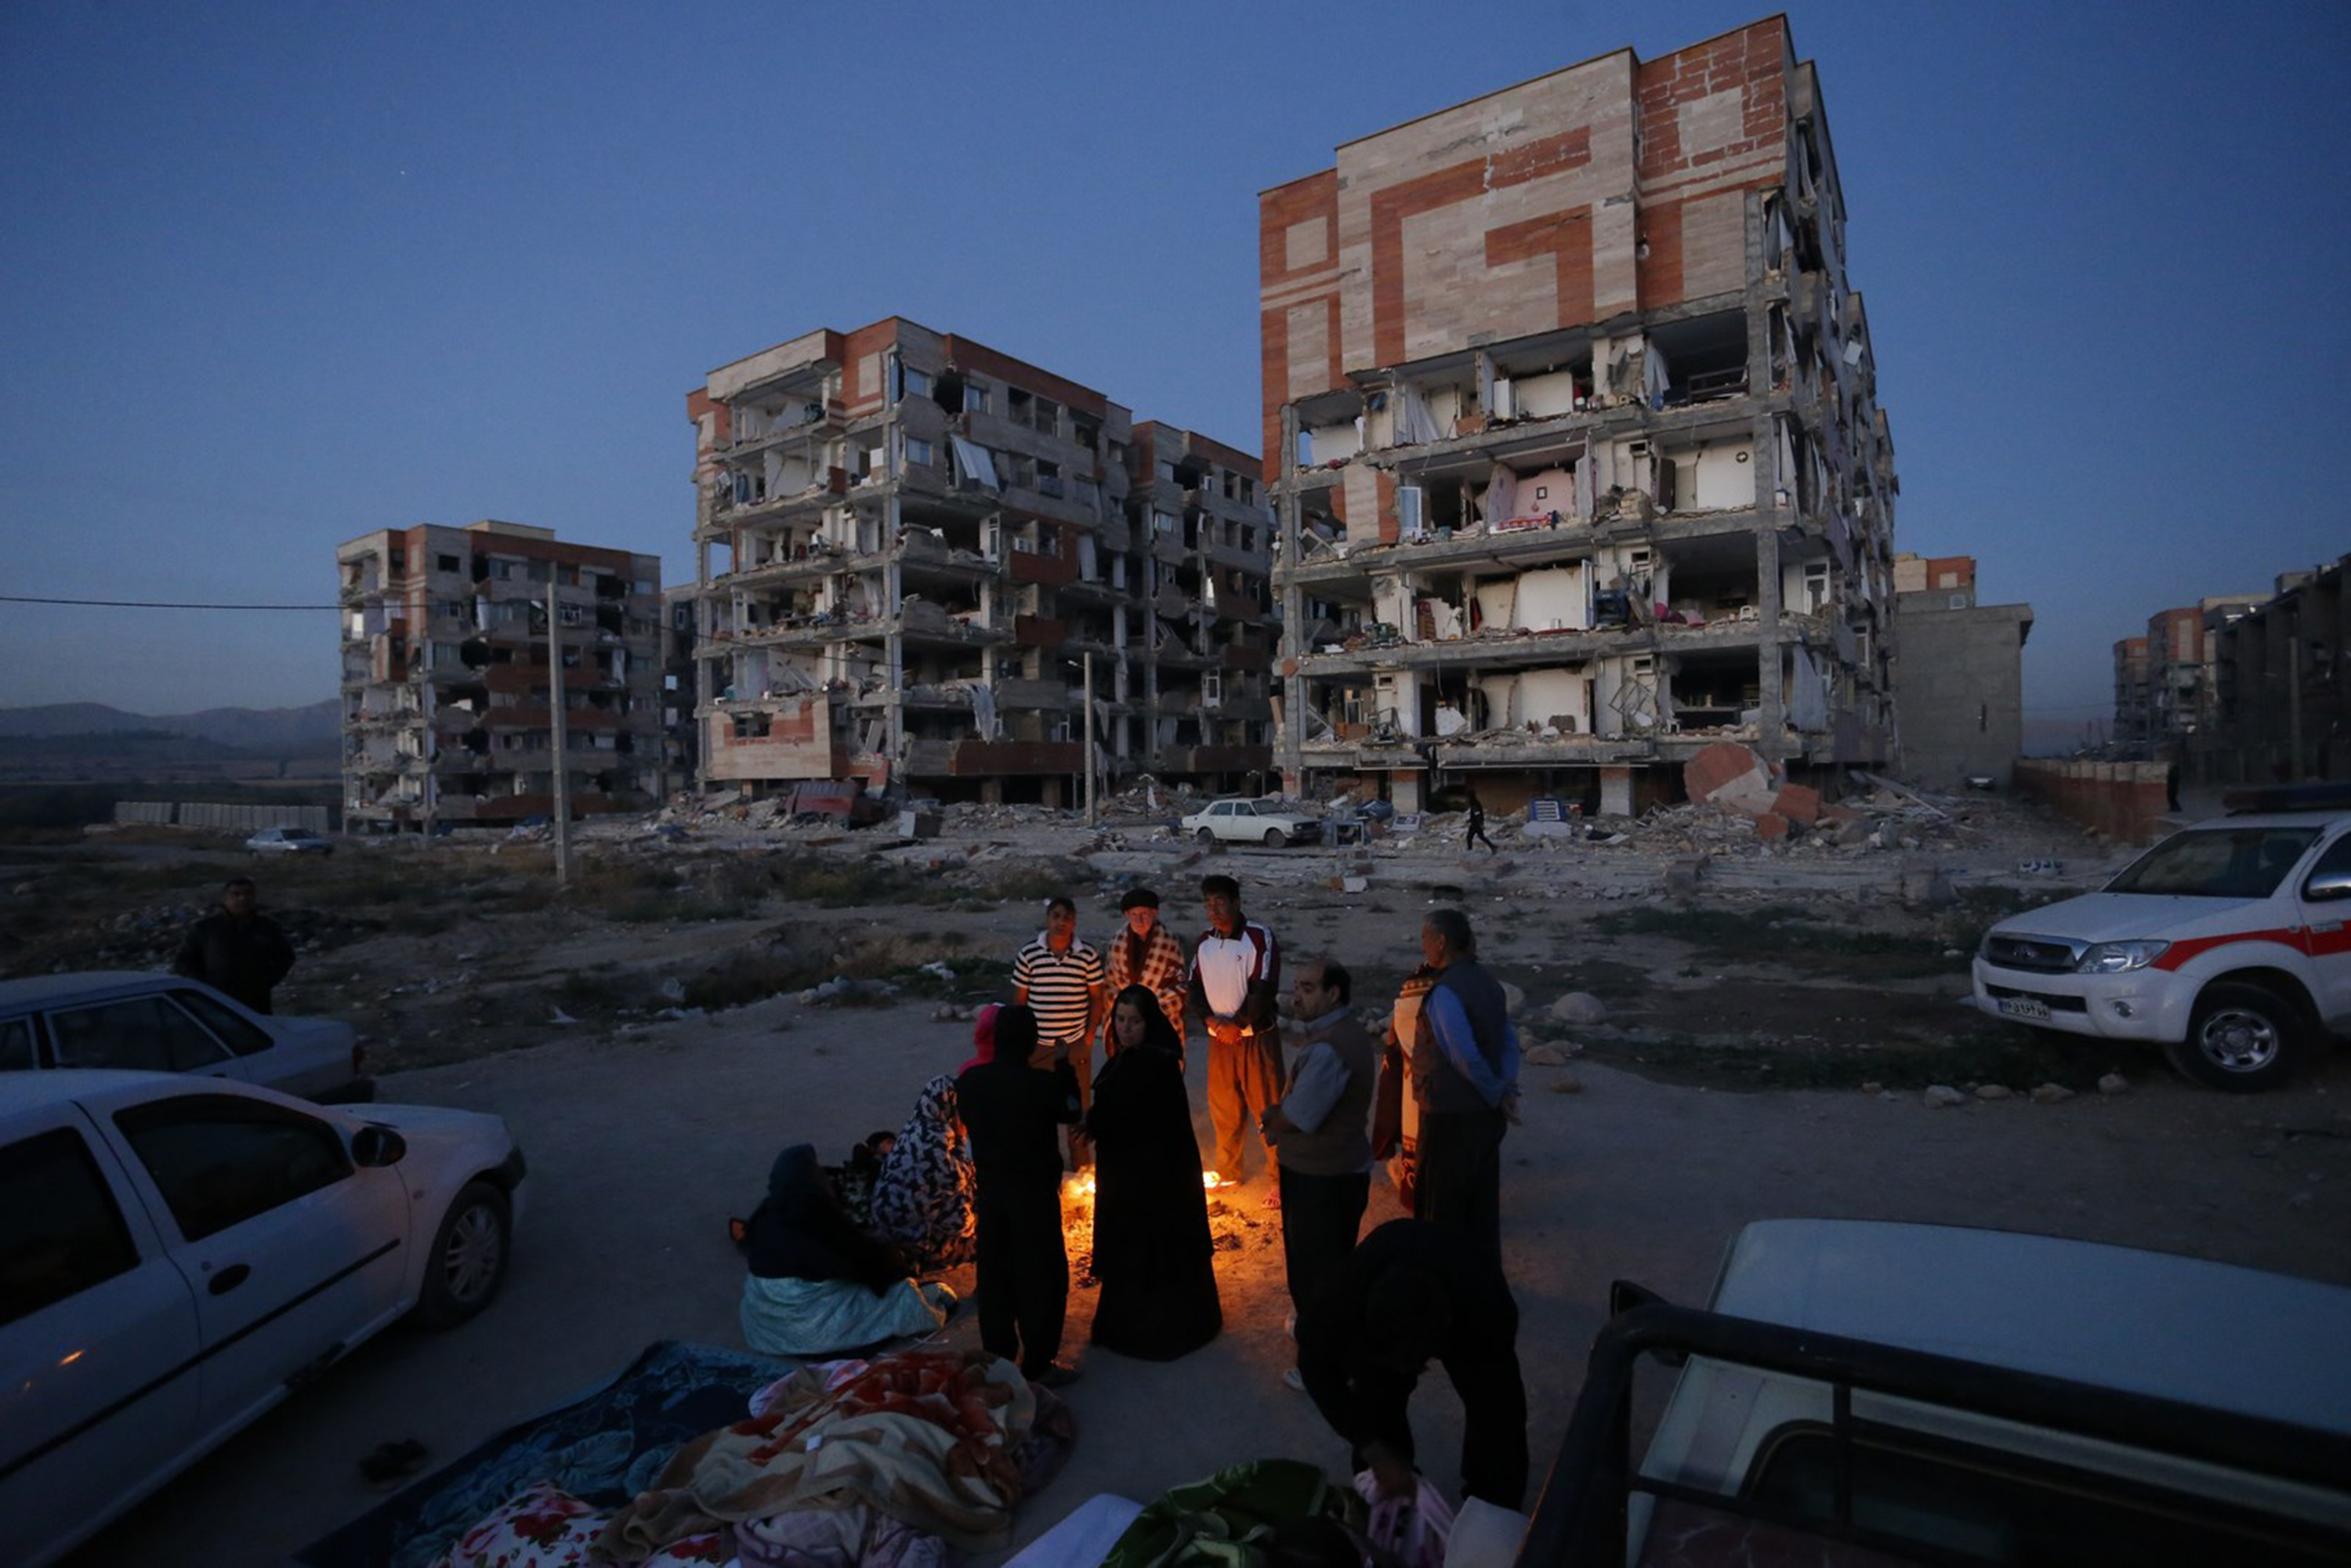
1317,1131
1477,834
1236,964
1147,954
1061,981
1013,1105
237,950
1465,1075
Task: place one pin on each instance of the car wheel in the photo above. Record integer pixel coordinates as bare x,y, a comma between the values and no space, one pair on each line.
469,1257
2241,1038
1206,835
1273,838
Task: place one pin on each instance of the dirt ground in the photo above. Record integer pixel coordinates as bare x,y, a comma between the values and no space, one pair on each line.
1763,1048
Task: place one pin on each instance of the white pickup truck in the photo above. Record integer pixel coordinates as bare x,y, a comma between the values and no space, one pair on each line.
2228,945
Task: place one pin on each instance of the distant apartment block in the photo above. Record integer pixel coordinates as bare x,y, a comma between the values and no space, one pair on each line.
2281,710
447,696
1570,410
2180,671
1959,674
910,548
2134,698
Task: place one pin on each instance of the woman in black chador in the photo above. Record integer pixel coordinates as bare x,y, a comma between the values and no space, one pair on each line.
1152,1249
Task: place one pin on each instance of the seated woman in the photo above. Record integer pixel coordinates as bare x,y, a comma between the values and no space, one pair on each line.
818,1284
1152,1249
922,1197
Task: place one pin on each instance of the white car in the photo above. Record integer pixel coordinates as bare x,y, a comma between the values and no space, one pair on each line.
168,1023
1875,1392
288,841
1245,821
176,1254
2228,945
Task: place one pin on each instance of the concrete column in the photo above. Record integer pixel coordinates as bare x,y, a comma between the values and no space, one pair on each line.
1615,791
894,646
706,620
1771,739
1289,746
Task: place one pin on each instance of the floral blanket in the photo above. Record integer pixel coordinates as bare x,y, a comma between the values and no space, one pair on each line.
924,1438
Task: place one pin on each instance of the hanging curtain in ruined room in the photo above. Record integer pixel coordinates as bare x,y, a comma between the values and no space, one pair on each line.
1502,493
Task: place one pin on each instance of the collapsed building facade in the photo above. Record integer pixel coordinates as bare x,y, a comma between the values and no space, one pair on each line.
447,706
1570,417
913,554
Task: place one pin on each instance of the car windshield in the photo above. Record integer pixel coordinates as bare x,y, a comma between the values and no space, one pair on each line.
2217,862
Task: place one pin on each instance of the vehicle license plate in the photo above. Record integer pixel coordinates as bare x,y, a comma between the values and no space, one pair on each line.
2032,1008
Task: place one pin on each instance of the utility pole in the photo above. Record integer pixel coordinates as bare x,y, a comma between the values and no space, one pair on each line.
1093,816
2294,703
562,764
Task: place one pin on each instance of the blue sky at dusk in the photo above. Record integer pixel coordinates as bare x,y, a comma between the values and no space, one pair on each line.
273,275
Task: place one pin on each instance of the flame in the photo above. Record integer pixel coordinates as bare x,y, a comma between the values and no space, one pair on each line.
1212,1181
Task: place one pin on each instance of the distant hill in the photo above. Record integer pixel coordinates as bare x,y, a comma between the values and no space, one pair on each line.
277,731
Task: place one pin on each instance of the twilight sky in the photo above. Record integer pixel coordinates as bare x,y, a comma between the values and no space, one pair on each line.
275,274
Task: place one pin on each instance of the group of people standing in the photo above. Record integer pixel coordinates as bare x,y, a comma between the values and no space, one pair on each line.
1321,1097
1325,1103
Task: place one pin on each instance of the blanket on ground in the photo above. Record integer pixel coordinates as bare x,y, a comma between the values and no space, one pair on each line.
604,1447
925,1438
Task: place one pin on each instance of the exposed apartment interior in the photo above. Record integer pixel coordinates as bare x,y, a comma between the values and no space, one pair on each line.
915,556
1571,415
448,689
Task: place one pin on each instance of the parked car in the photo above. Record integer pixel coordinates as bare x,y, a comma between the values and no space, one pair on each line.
288,841
166,1023
176,1256
2228,945
1266,821
1872,1392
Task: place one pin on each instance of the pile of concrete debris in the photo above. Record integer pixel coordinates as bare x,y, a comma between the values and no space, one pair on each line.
1748,797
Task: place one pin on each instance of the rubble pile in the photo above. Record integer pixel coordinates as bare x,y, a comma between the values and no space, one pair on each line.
149,938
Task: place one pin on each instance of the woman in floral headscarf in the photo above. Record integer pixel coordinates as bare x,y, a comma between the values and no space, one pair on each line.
923,1198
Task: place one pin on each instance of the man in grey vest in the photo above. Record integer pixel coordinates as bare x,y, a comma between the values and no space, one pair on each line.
1317,1132
1465,1079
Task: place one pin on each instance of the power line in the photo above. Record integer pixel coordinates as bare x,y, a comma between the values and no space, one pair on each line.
153,603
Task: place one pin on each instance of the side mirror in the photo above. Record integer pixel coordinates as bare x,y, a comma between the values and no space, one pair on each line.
2326,886
373,1145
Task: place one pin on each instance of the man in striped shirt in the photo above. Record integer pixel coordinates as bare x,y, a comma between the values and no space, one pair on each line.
1063,981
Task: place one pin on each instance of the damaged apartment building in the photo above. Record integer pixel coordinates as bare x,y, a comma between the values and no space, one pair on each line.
913,554
1571,421
447,715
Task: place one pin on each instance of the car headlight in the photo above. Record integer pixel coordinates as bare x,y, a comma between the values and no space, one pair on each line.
2116,957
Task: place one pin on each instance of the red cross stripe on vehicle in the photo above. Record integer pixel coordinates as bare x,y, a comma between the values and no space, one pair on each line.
2303,939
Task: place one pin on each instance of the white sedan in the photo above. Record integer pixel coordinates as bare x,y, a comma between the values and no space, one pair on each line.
177,1254
1266,821
288,841
166,1023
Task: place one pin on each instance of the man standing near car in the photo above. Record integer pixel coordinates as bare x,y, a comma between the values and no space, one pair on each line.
1465,1079
1062,980
237,950
1236,966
